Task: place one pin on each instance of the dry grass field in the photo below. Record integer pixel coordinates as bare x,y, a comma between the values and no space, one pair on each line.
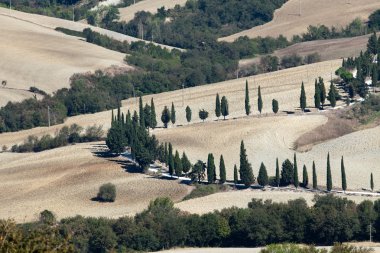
288,22
52,23
37,56
282,85
327,49
64,180
128,13
55,179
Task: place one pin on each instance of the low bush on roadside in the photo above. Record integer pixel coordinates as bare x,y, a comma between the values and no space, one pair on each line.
204,190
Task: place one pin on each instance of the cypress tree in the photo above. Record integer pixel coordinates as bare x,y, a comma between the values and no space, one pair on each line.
305,178
332,95
224,107
165,117
188,114
322,90
236,177
277,173
315,183
141,112
262,178
247,105
186,165
112,119
118,114
295,177
287,173
329,177
172,114
217,106
303,98
166,154
259,100
375,75
343,171
153,116
246,174
222,170
210,168
177,164
317,95
135,118
171,160
275,106
372,184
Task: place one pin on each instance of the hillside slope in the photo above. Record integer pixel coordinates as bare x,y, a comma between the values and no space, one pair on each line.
288,22
52,23
327,49
33,55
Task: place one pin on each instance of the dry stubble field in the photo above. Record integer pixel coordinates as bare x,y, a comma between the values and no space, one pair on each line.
32,55
288,22
64,180
55,179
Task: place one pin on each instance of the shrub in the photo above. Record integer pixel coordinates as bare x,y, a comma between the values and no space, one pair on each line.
204,190
47,217
107,193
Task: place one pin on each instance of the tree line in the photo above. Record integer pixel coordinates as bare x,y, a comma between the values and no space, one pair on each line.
162,226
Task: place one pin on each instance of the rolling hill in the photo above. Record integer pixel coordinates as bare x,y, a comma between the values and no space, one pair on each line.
288,21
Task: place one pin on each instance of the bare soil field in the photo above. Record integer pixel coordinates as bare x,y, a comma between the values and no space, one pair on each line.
327,49
65,180
288,22
52,23
241,198
282,85
128,13
37,56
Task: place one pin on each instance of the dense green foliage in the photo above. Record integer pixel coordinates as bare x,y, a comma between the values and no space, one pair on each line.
65,9
202,190
330,219
107,193
65,136
287,173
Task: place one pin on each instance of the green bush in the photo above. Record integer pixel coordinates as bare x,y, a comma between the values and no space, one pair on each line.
107,193
204,190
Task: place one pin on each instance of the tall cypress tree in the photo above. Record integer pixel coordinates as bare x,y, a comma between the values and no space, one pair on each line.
236,176
295,176
210,168
171,160
259,100
217,106
317,95
188,114
246,174
332,95
277,174
322,90
177,164
166,154
186,164
222,170
118,114
153,116
305,177
303,98
343,171
112,119
329,177
172,114
247,105
165,116
224,107
262,178
372,183
141,112
315,182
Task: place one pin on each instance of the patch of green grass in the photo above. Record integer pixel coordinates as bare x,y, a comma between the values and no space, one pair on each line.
70,32
202,190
